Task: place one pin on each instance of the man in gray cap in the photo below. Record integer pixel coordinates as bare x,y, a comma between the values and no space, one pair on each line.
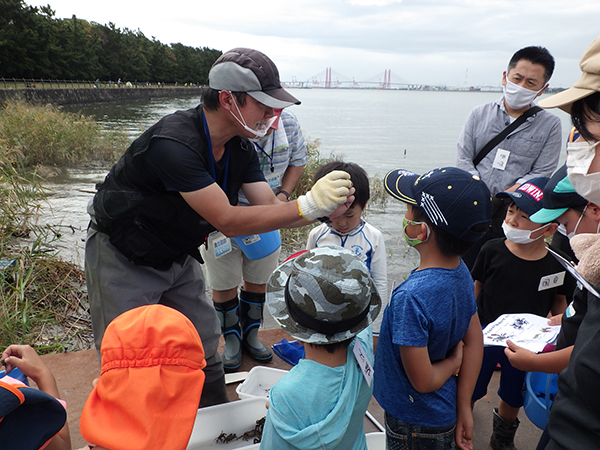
326,299
178,182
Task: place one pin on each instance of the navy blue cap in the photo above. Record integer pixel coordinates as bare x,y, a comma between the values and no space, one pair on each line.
559,195
453,199
528,197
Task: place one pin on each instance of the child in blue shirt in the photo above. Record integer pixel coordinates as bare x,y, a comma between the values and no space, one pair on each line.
430,330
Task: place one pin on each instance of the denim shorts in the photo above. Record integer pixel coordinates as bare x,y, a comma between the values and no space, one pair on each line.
405,436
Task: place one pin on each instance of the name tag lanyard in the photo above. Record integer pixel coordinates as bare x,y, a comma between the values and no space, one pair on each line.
212,158
267,155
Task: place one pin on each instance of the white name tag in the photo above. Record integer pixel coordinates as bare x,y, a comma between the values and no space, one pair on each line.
501,159
221,245
363,361
551,281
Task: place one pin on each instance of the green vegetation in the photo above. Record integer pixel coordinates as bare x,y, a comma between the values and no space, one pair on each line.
41,296
45,135
34,44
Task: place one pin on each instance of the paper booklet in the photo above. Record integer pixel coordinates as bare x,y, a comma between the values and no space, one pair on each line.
526,330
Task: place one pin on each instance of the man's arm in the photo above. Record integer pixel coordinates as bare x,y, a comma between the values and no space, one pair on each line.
467,378
329,196
424,375
465,148
289,181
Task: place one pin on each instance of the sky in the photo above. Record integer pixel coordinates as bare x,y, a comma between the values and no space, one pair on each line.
428,42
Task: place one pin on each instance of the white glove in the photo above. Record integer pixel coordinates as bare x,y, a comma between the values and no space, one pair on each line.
325,196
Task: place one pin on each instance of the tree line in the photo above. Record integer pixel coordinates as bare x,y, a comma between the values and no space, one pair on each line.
35,44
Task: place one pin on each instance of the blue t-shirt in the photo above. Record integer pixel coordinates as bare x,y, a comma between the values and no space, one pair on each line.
432,308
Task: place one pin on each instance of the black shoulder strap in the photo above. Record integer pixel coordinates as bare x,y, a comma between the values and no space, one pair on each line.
500,136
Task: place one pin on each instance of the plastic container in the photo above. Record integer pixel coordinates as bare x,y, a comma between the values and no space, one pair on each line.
540,392
259,382
376,440
258,246
17,374
233,417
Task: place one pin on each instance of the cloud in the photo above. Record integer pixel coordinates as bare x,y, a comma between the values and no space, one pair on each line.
422,41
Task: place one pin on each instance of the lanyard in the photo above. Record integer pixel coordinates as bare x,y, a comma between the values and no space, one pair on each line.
267,155
212,157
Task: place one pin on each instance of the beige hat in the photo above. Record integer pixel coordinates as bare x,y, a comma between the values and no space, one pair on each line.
586,85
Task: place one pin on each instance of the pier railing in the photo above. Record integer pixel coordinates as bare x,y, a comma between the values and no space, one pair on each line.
33,83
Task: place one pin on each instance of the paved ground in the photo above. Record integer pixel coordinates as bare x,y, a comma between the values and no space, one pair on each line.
75,371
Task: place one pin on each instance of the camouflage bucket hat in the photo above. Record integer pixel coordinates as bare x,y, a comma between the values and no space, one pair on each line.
323,296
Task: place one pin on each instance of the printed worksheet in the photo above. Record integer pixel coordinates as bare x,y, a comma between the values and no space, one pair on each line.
526,330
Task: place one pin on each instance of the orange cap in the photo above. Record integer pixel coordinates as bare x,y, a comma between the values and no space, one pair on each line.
150,383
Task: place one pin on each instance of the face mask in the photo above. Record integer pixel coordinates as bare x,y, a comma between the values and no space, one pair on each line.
572,233
520,236
518,97
579,158
413,241
263,127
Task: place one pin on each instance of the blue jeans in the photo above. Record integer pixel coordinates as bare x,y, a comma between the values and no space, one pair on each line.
405,436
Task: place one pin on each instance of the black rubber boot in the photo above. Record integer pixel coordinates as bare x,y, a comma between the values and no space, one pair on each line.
503,435
229,316
214,393
251,314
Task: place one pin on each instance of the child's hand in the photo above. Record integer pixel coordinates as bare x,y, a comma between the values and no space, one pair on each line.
555,320
26,359
519,357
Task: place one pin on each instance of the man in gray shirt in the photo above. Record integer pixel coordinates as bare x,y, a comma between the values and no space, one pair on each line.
532,150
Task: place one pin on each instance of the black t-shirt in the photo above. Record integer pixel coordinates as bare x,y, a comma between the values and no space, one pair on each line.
515,285
180,169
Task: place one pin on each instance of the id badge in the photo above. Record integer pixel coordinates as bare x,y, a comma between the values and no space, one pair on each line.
363,361
501,159
221,244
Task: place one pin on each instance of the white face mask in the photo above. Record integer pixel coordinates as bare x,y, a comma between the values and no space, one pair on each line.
263,126
520,236
579,158
518,97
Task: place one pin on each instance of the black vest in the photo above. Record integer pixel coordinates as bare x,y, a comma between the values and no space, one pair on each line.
148,224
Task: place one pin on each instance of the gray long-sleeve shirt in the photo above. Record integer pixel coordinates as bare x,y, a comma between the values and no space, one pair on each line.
534,146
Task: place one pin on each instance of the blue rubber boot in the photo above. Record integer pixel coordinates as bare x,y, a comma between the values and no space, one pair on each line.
251,314
229,317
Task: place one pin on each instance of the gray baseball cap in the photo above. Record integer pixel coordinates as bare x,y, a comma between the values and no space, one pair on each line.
252,72
323,296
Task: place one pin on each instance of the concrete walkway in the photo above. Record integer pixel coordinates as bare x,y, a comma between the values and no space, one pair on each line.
75,372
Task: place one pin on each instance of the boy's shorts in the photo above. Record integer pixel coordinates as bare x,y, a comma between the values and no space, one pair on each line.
228,270
512,381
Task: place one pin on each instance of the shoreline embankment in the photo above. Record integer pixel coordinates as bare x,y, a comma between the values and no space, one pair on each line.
83,96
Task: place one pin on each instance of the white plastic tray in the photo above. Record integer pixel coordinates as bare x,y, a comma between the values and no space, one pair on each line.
259,382
233,417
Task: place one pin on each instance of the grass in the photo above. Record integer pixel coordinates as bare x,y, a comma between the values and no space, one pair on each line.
47,136
42,298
